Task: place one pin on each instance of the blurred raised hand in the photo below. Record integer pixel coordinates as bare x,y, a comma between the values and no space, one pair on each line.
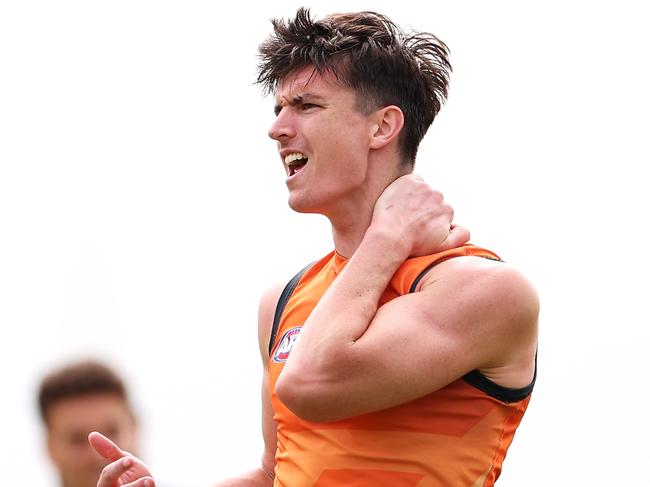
125,470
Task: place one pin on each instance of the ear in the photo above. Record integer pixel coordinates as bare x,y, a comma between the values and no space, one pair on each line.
388,123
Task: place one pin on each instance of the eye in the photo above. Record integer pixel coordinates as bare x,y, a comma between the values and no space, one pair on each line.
76,438
307,106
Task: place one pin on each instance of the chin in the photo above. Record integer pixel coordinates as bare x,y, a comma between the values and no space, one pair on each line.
304,205
300,207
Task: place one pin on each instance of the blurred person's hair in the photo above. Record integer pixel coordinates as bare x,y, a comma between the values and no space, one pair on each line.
84,378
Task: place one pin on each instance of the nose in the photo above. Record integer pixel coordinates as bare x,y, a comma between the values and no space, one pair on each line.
282,127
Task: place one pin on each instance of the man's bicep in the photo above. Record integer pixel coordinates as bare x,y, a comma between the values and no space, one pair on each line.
410,350
420,342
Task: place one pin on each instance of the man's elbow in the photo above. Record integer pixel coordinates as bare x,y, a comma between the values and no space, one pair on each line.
306,399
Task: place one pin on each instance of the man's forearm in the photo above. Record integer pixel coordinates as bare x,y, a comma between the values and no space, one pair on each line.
343,314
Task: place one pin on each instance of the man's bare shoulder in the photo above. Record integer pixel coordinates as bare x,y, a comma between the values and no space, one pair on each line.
486,279
504,307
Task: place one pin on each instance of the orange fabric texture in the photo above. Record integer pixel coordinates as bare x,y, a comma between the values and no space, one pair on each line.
456,436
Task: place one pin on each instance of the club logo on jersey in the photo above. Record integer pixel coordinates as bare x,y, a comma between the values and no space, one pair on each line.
286,344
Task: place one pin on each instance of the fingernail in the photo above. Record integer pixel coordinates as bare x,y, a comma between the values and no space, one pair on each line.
127,462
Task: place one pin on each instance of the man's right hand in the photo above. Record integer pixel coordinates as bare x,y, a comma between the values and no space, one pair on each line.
125,470
417,216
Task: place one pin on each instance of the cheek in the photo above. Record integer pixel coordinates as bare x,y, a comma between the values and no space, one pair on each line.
352,143
68,457
126,436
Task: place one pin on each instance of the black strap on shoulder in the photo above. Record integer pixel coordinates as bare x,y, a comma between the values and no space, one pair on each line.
431,266
282,303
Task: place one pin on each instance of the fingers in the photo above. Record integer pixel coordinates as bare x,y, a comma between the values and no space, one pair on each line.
143,482
457,237
105,447
124,466
113,471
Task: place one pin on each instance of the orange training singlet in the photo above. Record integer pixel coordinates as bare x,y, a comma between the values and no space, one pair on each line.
455,436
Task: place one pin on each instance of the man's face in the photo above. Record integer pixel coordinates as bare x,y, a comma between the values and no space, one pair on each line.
69,423
319,124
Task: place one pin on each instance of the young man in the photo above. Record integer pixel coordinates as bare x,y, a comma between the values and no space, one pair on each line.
75,400
392,361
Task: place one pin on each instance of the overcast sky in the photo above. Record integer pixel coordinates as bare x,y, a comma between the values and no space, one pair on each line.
143,211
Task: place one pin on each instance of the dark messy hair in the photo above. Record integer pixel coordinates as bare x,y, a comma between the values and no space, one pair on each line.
75,380
367,52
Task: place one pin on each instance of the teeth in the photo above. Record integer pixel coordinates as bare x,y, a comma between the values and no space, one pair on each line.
294,156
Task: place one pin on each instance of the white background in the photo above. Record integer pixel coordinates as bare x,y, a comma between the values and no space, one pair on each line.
143,211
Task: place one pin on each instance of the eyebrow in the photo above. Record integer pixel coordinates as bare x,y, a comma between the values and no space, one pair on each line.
298,100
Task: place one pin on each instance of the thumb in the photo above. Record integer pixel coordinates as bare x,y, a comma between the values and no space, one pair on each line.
105,447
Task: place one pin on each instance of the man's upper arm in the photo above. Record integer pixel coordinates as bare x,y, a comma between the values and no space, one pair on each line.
267,306
471,314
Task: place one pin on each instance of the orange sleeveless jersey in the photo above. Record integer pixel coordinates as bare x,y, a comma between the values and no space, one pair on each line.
455,436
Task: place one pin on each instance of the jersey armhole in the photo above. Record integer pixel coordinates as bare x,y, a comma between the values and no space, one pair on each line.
282,303
504,394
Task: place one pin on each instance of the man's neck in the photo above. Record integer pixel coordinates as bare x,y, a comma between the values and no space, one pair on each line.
348,235
353,217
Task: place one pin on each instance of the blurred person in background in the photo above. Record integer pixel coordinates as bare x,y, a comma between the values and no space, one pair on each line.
74,400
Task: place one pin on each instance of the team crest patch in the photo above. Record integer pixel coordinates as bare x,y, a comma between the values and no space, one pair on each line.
286,344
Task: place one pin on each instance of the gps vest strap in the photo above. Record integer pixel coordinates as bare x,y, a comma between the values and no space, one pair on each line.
282,302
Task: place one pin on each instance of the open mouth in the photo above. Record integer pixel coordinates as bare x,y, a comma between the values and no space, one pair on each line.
295,162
